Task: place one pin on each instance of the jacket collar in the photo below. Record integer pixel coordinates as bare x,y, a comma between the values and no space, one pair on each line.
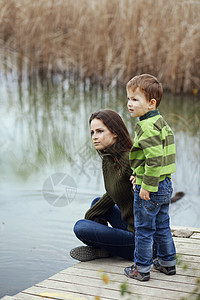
149,114
111,150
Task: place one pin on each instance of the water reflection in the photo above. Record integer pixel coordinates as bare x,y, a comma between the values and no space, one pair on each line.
45,127
44,130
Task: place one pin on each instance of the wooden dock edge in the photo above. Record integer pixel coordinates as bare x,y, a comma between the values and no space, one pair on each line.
84,280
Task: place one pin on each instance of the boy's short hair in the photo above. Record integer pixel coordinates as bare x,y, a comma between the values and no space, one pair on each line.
149,85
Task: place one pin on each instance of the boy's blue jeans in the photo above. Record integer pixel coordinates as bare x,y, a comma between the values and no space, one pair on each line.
117,240
152,223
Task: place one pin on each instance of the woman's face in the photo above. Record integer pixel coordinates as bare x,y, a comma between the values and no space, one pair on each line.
102,137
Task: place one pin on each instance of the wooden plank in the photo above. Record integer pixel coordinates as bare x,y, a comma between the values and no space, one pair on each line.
112,290
183,248
191,261
183,278
177,284
194,229
190,258
99,264
8,298
41,293
88,294
23,296
115,266
196,235
189,241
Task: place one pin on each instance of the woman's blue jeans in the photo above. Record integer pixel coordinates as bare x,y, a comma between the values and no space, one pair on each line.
116,239
152,223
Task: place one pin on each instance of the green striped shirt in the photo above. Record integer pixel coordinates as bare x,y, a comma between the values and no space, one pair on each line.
152,156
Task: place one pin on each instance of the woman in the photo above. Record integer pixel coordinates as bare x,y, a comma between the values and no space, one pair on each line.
113,143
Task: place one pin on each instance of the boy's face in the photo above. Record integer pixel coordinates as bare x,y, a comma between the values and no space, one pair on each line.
137,103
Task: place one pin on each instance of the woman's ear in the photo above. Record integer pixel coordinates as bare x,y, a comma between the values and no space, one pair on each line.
152,104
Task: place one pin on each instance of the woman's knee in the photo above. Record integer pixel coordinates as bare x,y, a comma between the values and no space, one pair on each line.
82,228
78,227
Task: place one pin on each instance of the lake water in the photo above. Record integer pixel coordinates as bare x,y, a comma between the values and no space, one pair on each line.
45,146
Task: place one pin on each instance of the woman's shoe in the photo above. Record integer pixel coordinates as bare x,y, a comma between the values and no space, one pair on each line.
86,253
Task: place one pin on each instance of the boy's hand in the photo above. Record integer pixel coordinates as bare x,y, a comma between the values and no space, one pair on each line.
133,180
144,194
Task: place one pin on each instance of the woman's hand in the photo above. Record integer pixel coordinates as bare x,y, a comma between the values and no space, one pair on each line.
133,180
144,194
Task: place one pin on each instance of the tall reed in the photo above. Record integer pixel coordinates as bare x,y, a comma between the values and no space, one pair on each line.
107,41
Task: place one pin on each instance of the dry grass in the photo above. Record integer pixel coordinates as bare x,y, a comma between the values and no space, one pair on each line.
107,41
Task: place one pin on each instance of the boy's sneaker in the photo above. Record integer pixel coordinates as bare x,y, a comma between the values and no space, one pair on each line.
132,272
166,270
86,253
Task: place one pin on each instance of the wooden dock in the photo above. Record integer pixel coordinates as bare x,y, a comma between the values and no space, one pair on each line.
103,278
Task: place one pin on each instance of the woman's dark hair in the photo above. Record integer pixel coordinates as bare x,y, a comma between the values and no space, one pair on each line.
116,125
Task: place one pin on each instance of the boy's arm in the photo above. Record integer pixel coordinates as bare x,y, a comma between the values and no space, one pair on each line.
155,156
153,152
144,194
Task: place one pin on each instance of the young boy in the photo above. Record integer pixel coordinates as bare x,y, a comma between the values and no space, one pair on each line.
152,160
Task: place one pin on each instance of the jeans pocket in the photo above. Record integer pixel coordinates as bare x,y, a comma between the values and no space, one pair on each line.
151,205
157,199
